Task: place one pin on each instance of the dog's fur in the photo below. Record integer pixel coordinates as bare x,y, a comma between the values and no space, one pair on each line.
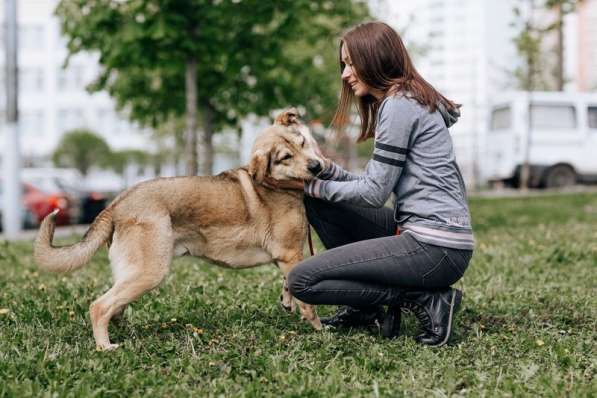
234,219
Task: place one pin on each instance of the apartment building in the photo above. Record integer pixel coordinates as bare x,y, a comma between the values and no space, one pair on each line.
53,99
469,55
587,46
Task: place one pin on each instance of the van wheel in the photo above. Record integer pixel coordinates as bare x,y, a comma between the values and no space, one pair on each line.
559,176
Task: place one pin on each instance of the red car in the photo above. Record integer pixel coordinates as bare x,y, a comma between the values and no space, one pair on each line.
41,203
38,203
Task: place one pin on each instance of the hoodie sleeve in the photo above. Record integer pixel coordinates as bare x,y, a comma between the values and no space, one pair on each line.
397,118
335,172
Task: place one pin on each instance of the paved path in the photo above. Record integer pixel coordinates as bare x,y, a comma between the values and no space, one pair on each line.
496,193
515,193
60,232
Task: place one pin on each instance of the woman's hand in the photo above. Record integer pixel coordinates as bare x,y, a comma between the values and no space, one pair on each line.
298,185
317,150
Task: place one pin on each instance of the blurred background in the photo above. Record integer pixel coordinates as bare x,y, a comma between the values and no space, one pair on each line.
98,95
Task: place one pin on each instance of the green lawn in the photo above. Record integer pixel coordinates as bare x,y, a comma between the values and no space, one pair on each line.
527,327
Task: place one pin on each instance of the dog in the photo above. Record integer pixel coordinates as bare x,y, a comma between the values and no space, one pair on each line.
240,218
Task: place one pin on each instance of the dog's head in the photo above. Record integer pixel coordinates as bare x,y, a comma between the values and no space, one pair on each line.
285,151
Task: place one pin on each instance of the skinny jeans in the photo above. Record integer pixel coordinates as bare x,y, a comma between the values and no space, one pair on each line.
366,264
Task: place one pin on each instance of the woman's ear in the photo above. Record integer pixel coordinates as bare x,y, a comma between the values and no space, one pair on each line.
259,165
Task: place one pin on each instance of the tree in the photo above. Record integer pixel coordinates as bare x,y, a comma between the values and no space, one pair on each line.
81,149
533,74
528,44
540,70
118,160
561,8
216,60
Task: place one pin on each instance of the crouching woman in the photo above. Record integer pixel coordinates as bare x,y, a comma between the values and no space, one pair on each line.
408,256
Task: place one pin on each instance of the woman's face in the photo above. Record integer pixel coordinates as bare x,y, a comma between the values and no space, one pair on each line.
349,75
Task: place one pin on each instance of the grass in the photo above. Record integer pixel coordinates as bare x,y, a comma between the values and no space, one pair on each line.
528,325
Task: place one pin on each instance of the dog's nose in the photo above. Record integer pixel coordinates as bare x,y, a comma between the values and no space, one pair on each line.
314,166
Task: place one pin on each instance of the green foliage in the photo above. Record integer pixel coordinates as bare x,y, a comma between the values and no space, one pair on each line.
253,56
568,6
81,149
541,70
365,149
117,160
527,327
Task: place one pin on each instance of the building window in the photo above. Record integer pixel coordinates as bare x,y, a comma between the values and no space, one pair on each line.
70,119
501,118
592,116
62,120
72,78
31,37
31,123
62,82
553,117
31,80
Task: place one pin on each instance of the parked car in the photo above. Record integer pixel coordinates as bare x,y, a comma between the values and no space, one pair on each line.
29,220
41,203
87,204
555,131
37,204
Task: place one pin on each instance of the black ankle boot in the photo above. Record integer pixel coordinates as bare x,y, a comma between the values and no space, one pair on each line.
435,311
353,317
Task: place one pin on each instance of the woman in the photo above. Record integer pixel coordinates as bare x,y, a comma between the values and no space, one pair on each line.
407,257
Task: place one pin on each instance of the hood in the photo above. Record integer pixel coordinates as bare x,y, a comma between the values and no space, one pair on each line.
450,115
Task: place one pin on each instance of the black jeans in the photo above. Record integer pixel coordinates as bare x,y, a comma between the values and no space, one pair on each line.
366,264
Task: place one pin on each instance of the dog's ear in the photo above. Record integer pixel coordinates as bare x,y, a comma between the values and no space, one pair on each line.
288,117
259,165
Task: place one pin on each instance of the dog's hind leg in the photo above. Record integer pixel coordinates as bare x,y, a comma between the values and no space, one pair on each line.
140,262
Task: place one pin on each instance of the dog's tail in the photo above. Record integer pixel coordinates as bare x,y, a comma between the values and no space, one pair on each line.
72,257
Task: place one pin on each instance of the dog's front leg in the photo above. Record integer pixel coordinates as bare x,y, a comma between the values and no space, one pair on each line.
308,312
286,299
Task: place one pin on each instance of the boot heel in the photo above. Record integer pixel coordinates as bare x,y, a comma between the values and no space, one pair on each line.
456,300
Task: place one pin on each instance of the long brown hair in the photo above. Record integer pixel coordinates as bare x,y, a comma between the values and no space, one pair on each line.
380,60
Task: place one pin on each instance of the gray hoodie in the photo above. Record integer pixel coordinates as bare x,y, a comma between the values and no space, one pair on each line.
413,157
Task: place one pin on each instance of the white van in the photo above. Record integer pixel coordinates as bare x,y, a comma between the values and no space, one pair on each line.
561,140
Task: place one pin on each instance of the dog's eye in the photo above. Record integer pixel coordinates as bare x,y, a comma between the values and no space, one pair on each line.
303,143
285,157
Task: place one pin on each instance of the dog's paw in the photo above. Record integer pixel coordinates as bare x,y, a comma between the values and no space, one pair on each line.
106,347
288,305
315,322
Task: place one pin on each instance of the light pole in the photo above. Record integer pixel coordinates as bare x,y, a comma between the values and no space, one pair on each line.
11,180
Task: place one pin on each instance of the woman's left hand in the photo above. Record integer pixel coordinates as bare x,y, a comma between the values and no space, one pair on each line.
298,185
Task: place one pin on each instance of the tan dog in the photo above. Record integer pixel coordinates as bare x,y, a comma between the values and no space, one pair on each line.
239,218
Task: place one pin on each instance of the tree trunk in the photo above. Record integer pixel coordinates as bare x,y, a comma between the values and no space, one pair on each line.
560,49
206,150
191,117
525,171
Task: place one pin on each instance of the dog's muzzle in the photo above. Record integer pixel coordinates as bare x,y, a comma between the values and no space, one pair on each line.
314,167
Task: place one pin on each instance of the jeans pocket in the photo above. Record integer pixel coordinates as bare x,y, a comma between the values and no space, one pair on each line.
444,274
458,260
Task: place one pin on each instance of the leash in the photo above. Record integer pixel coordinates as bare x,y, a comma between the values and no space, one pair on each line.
310,239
